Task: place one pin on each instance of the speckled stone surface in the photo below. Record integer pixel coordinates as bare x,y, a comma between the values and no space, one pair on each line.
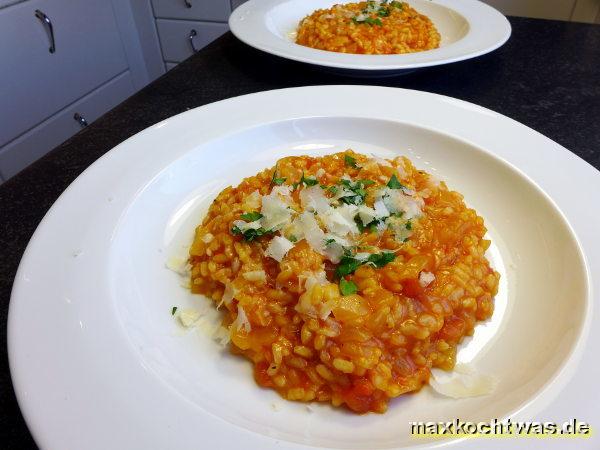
547,76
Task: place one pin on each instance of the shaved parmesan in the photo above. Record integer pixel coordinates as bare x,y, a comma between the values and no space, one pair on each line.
228,295
366,214
284,190
278,247
395,200
312,278
426,278
222,336
305,303
255,275
312,232
241,321
188,317
335,250
340,220
244,226
313,199
463,382
276,212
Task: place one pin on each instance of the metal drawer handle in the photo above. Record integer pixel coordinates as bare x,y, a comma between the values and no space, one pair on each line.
80,119
48,25
188,3
191,38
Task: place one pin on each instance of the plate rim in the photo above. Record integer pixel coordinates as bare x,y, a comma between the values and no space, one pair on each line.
333,90
393,63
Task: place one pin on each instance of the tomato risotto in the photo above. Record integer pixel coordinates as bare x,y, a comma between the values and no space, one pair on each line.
344,278
373,27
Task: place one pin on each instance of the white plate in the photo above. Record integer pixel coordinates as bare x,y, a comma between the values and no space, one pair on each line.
98,362
468,28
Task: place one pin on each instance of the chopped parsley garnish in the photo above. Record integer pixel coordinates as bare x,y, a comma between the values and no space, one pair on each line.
329,241
395,4
349,161
173,310
306,181
349,264
251,216
368,20
275,179
409,225
347,287
357,193
332,189
381,259
371,226
394,183
383,12
292,238
250,234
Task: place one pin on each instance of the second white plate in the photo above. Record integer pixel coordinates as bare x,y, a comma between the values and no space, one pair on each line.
469,28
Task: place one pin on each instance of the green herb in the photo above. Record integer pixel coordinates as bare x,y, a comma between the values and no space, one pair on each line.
371,21
347,287
173,310
409,225
347,266
332,189
275,180
398,214
250,234
366,183
292,238
251,216
357,193
359,224
329,241
383,12
371,226
399,5
381,259
349,161
306,181
394,183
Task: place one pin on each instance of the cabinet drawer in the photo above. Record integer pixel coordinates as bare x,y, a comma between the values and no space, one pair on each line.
38,141
174,37
214,10
34,83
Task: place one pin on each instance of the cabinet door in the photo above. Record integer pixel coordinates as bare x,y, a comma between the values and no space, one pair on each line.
175,37
214,10
34,83
38,141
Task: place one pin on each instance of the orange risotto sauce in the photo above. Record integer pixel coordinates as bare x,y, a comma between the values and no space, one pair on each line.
344,278
372,27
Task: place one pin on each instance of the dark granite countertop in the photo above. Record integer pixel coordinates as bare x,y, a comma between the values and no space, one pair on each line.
547,76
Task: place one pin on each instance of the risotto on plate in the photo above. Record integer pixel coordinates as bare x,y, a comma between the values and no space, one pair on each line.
372,27
344,278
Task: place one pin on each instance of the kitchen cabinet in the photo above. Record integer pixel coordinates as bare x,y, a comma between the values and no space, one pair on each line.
60,57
